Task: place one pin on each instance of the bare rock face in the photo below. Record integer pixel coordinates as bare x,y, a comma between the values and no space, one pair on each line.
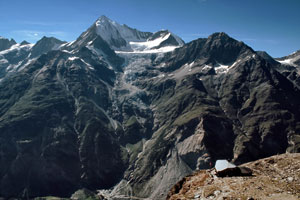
45,45
61,138
275,177
6,43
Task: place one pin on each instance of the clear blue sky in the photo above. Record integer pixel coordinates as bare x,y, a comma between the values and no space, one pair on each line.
270,25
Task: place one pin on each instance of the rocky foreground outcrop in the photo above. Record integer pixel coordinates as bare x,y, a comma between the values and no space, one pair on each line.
276,177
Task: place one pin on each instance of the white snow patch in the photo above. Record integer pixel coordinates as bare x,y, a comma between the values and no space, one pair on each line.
17,47
220,69
70,43
73,58
127,72
13,67
91,68
161,76
85,34
85,62
160,50
25,65
66,51
148,45
289,61
163,65
236,62
206,67
62,45
191,64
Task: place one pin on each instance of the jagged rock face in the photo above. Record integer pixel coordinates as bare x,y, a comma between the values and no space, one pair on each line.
86,116
6,43
267,57
116,35
24,43
13,59
18,56
45,45
90,42
56,130
290,67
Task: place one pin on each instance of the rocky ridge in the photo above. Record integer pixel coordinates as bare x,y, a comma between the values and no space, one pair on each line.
132,122
275,177
6,43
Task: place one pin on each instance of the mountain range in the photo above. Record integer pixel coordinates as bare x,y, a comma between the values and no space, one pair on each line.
130,113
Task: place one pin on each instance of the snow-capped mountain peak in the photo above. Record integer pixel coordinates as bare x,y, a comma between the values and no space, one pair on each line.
124,39
118,36
128,40
164,33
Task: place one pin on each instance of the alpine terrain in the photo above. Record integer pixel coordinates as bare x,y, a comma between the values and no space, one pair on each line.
130,113
274,178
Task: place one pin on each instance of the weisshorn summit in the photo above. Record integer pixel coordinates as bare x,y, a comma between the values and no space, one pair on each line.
130,113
